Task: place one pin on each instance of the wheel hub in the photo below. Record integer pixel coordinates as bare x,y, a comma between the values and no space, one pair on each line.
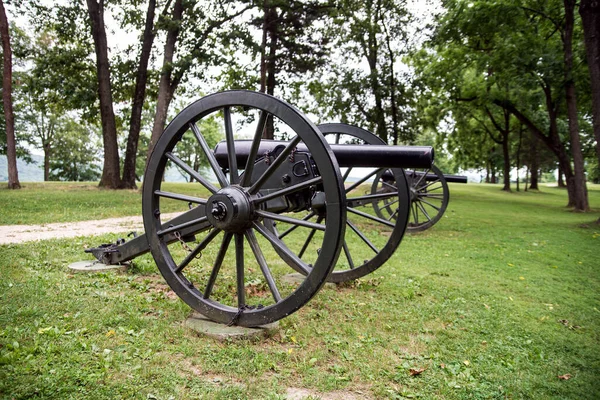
230,210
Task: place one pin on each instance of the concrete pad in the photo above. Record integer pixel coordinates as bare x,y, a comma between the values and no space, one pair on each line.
203,326
94,266
298,278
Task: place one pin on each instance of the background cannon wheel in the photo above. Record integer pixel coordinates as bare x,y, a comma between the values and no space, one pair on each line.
224,261
370,240
429,197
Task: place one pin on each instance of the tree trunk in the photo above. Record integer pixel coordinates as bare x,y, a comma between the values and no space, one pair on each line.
580,196
135,123
506,156
560,181
535,164
393,88
111,177
11,143
590,18
271,18
166,87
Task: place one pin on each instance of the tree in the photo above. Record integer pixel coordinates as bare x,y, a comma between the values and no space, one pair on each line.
76,159
194,32
139,95
290,44
11,152
366,89
513,45
111,178
590,18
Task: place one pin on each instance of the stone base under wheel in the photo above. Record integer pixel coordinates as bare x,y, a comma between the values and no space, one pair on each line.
203,326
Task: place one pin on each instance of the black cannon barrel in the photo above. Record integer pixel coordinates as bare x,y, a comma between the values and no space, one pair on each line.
348,155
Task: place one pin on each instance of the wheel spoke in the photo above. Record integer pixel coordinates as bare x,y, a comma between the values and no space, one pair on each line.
274,166
217,265
346,175
281,248
262,121
421,176
209,155
233,169
362,180
389,186
428,185
308,239
371,217
363,237
170,229
290,220
198,249
421,200
394,215
239,269
378,196
182,197
432,195
415,212
192,172
262,262
288,190
391,203
348,255
293,228
423,211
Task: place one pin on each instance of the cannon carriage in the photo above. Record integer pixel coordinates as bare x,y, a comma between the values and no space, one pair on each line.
260,209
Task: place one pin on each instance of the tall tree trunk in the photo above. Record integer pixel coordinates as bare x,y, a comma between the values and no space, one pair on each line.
393,88
272,37
579,188
552,141
590,18
560,180
47,154
165,87
506,156
135,123
535,164
111,177
11,143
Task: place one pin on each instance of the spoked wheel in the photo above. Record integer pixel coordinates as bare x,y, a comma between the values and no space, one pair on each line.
370,240
218,255
429,197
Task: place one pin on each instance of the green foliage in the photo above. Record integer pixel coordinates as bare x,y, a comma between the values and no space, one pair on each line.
474,61
76,157
212,130
483,305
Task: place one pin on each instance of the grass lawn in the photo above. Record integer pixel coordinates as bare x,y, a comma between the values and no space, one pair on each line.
501,299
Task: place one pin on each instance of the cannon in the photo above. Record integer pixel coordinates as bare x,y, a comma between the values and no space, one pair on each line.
258,208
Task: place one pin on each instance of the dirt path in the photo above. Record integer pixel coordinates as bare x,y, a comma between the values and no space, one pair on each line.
29,233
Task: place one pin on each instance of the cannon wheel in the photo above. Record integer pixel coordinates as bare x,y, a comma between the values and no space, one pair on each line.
429,197
229,280
367,251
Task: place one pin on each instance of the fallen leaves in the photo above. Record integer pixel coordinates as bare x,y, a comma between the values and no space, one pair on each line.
416,371
566,323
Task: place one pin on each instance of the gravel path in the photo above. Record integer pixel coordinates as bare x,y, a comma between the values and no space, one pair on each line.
29,233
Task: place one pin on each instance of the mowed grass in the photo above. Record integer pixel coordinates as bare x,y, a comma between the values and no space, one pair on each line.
46,202
501,299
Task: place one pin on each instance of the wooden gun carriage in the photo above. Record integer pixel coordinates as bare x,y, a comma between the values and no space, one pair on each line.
259,209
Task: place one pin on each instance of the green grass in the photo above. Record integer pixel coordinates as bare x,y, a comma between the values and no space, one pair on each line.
498,300
46,202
